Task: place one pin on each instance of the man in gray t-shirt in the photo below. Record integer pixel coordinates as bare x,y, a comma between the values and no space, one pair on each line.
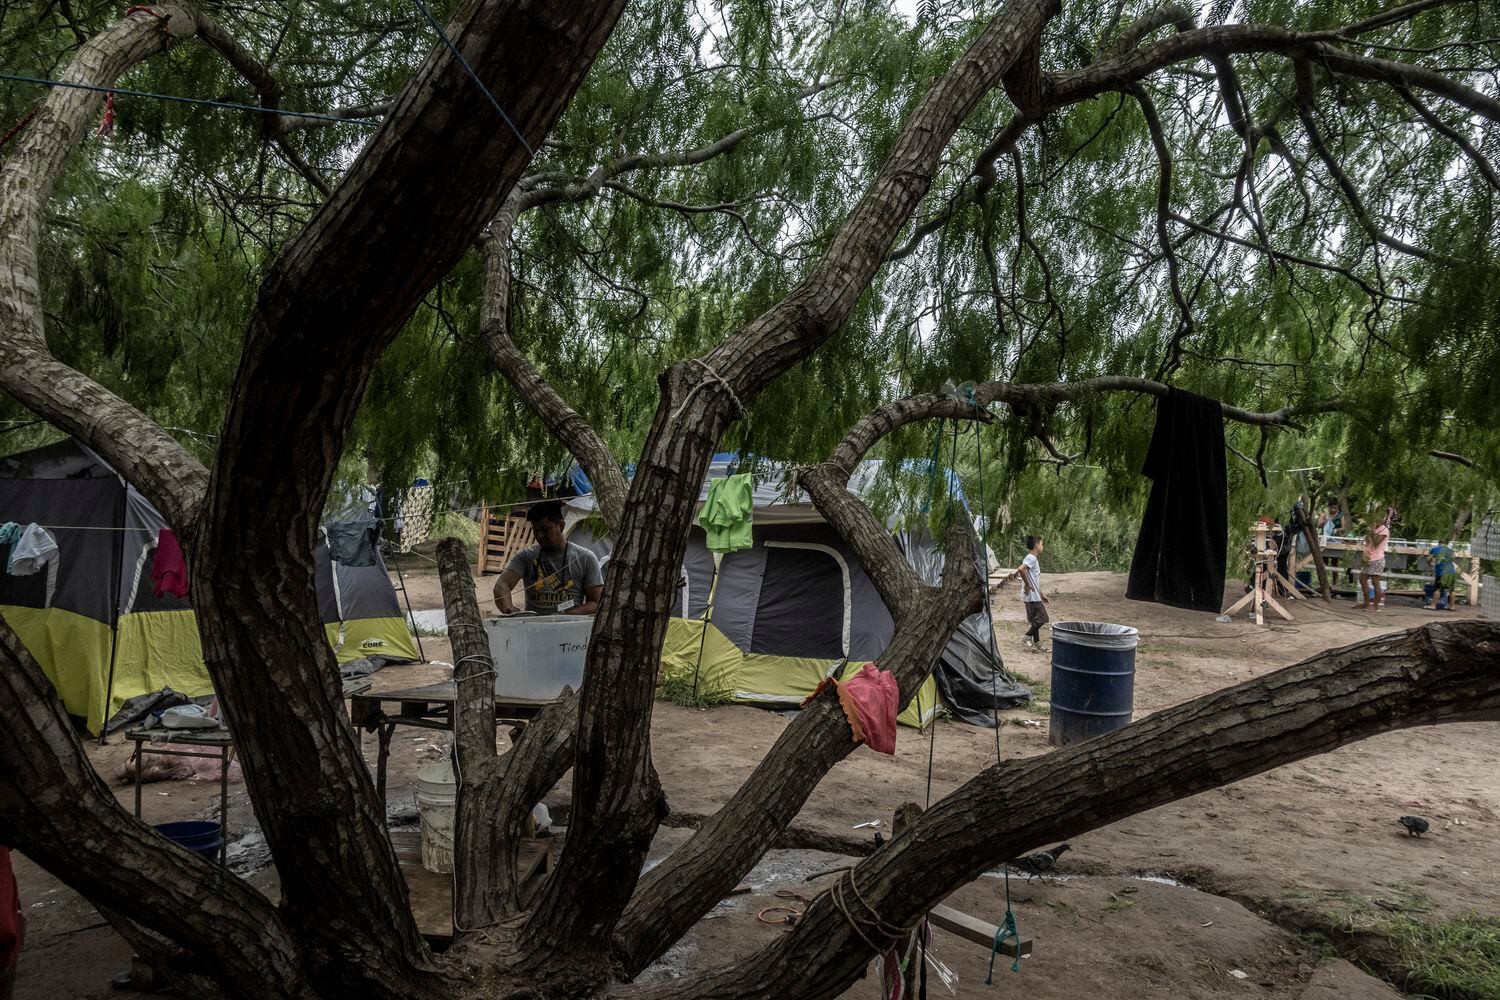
559,577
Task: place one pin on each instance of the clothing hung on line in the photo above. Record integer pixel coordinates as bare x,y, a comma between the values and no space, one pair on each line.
871,701
169,570
32,549
11,921
728,512
351,543
1180,553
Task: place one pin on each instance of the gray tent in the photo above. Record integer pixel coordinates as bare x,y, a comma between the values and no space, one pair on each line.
97,627
777,617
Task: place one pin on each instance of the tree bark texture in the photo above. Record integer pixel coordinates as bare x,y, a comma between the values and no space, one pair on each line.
54,806
617,800
684,886
1425,676
495,793
332,301
476,868
144,453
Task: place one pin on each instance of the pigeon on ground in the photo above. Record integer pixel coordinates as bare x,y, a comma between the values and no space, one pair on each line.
1042,862
1415,825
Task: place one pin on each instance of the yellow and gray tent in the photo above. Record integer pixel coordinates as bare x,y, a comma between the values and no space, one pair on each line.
773,620
104,638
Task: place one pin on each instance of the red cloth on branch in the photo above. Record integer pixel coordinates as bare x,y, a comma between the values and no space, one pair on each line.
10,914
169,569
871,702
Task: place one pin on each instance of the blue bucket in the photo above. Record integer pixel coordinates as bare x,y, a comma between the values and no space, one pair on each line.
201,837
1093,680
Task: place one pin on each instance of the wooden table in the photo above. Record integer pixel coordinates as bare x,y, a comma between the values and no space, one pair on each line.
428,707
212,744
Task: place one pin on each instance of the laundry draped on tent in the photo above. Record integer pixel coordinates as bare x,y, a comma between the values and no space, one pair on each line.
105,637
771,622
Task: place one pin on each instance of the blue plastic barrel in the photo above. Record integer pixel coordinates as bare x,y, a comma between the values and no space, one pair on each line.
1093,680
200,837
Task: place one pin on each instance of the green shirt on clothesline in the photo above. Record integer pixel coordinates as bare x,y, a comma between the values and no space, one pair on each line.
727,513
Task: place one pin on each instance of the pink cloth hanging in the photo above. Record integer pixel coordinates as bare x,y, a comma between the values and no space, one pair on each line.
169,569
871,702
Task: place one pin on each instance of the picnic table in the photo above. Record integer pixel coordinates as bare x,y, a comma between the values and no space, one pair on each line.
427,707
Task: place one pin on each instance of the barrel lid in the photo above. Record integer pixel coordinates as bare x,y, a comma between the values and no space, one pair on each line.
1096,635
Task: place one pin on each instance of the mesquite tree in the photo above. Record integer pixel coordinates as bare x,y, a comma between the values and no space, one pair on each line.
440,175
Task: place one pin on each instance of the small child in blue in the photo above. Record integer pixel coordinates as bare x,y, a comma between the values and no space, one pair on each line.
1444,578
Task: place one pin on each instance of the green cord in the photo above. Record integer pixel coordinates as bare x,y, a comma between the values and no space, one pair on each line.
1006,930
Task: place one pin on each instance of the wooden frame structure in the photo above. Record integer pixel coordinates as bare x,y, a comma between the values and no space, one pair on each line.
502,533
1262,593
1398,546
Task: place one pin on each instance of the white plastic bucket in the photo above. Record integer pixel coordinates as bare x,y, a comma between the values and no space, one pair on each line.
437,800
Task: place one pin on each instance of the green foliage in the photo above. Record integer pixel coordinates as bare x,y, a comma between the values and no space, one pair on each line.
680,690
1455,959
160,233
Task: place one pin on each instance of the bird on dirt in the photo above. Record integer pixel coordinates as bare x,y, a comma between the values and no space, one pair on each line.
1042,862
1415,825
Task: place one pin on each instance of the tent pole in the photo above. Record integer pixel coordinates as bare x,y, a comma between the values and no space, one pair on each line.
401,579
708,608
114,625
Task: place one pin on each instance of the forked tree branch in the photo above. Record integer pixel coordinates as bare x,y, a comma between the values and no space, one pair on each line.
1434,674
698,874
617,799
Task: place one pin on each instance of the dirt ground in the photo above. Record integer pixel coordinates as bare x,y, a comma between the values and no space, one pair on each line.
1235,878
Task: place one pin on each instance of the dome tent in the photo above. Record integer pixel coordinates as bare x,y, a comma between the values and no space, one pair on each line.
776,618
104,637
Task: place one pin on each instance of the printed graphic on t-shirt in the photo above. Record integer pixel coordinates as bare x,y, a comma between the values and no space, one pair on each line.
553,589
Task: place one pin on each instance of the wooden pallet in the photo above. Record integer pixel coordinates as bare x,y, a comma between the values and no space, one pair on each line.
501,535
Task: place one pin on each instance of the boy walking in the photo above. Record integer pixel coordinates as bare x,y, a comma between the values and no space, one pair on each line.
1030,572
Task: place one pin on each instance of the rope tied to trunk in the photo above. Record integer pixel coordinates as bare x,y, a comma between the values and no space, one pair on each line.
876,924
713,377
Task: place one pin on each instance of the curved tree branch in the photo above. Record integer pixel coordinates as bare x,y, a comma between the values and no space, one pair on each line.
133,443
1163,234
565,423
1434,674
617,799
57,810
694,877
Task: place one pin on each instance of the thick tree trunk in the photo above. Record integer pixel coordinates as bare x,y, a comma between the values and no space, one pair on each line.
334,298
721,852
1429,675
617,799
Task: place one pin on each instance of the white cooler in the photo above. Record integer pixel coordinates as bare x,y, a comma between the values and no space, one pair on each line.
535,656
